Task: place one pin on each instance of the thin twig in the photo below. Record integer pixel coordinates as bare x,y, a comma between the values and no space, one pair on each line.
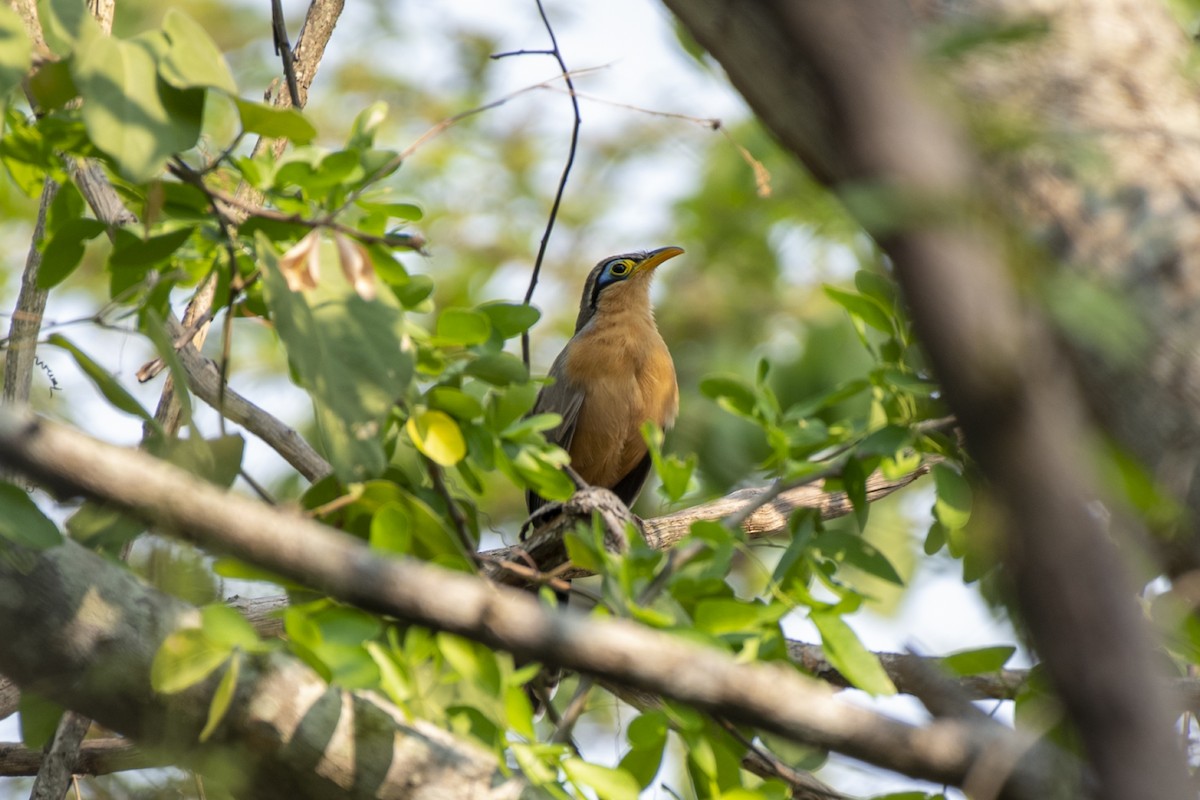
574,710
263,494
283,49
562,181
456,514
804,785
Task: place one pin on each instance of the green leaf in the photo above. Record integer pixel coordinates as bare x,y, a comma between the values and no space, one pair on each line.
731,394
404,211
113,391
133,117
22,522
721,616
64,250
674,472
935,538
152,326
101,527
391,529
855,482
222,697
463,327
455,402
225,627
511,319
846,653
886,441
16,51
51,85
953,505
802,526
862,308
185,658
275,123
978,661
875,286
65,22
856,551
352,355
498,369
193,58
39,719
216,460
437,435
608,783
133,251
647,736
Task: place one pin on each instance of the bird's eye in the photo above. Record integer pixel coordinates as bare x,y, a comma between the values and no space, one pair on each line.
619,268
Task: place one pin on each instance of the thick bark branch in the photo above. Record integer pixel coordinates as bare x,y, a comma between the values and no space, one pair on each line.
836,83
286,734
770,696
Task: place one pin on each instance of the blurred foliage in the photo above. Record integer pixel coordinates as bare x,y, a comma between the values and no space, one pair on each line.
795,358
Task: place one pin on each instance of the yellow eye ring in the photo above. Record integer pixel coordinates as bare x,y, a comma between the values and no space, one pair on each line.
619,268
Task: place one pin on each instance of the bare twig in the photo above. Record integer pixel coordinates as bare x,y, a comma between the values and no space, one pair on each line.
461,526
54,773
283,49
26,322
562,181
95,757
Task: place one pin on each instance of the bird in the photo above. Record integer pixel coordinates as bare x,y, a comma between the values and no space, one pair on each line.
613,375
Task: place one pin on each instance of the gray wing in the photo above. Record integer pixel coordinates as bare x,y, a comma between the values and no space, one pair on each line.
565,399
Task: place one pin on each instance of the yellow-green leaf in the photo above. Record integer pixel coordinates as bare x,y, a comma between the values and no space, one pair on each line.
437,435
222,697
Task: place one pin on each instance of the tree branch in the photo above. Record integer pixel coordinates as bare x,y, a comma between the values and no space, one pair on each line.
769,696
545,550
95,757
287,733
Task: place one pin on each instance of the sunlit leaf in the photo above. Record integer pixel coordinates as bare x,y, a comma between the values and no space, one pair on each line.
275,123
510,319
979,660
185,658
462,326
16,51
137,120
608,783
353,356
863,308
953,505
193,58
437,435
848,655
222,697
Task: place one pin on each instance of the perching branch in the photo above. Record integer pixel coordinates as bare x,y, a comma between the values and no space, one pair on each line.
768,696
544,549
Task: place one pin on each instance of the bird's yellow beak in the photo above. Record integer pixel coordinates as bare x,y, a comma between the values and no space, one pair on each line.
656,257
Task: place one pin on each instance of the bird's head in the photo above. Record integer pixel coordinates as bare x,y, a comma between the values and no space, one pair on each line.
620,281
